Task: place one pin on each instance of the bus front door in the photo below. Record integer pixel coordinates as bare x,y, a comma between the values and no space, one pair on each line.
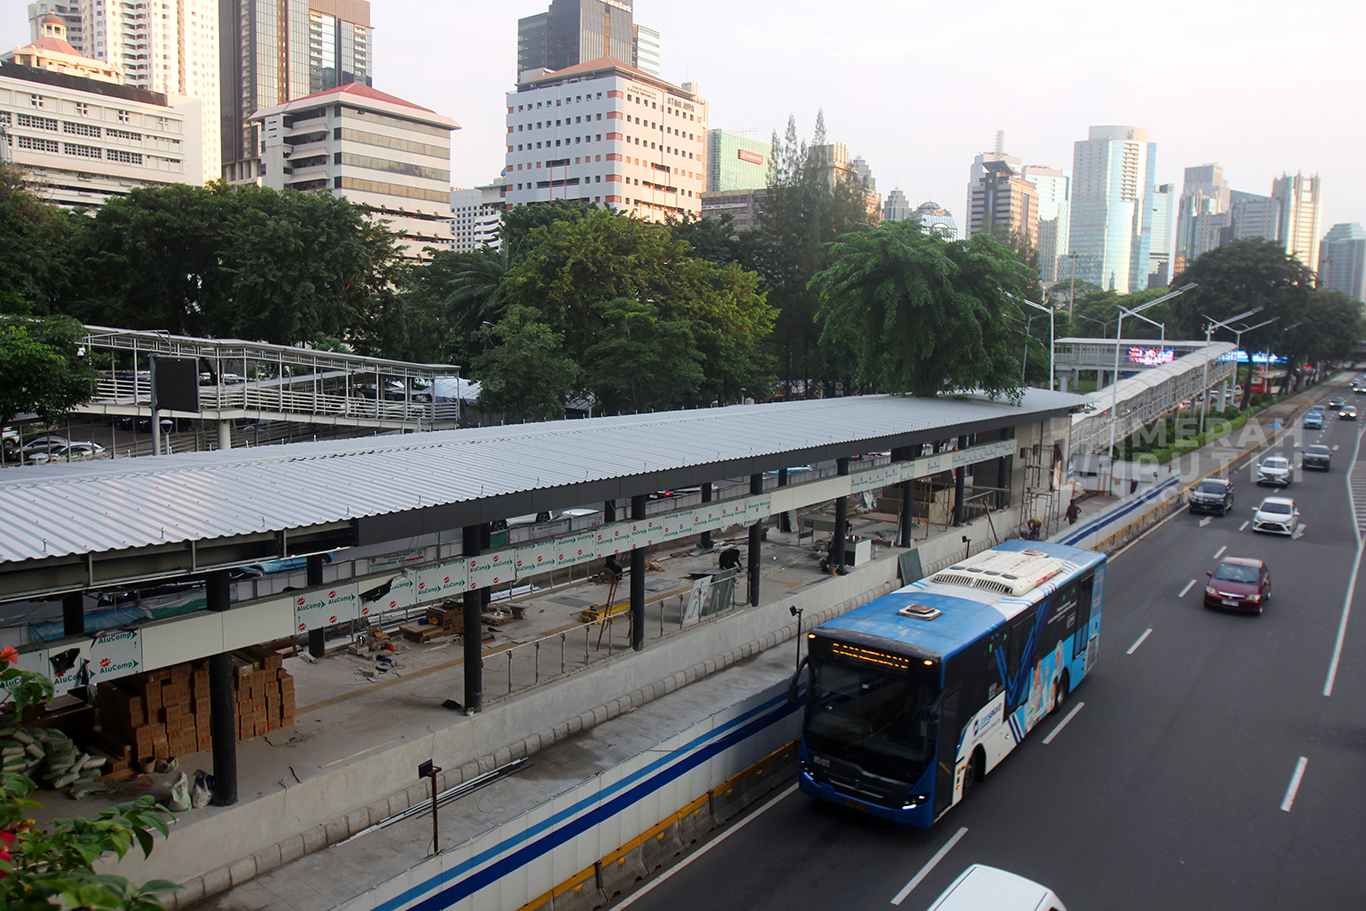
946,752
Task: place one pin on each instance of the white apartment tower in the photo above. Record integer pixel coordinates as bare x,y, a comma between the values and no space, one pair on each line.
476,216
165,46
1301,216
1055,216
1112,173
607,133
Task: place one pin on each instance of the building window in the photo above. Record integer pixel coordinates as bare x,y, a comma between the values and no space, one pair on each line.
35,101
124,117
82,109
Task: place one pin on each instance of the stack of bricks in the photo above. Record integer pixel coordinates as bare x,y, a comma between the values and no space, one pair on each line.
165,714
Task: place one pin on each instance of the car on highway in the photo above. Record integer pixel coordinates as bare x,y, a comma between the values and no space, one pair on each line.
1316,455
1348,413
1212,495
1335,403
1277,515
1313,420
1239,583
1275,471
981,887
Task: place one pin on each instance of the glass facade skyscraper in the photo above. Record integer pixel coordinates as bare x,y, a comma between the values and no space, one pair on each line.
267,60
736,162
1111,230
580,31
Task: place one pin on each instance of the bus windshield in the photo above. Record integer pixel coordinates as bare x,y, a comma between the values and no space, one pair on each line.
877,721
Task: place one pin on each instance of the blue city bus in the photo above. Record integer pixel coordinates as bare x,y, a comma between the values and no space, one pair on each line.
913,698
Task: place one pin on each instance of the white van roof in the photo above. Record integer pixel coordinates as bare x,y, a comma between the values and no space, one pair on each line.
983,888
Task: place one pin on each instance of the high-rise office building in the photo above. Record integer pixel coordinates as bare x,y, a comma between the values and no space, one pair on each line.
1202,213
274,51
897,207
572,32
167,46
736,161
936,219
1342,260
1300,216
477,216
370,148
1004,204
607,133
1252,215
1162,207
1054,187
833,162
979,164
1110,232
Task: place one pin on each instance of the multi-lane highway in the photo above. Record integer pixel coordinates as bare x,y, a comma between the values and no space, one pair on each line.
1215,761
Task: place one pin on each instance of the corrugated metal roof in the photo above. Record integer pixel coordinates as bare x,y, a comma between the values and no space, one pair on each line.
96,507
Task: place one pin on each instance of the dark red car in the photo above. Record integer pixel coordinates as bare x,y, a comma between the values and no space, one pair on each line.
1239,583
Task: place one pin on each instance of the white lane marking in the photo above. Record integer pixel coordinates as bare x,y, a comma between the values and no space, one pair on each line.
1244,526
1298,533
1220,552
925,870
1335,448
1351,583
707,847
1062,724
1294,784
1133,648
1183,593
1206,520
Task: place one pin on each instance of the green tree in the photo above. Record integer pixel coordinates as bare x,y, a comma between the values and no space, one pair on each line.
519,222
578,273
806,207
41,368
1239,276
52,865
35,249
524,371
242,262
1327,328
922,315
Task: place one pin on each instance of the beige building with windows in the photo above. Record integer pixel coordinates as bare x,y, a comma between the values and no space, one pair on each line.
83,136
370,148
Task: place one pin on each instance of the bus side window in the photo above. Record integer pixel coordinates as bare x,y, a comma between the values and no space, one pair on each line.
1085,589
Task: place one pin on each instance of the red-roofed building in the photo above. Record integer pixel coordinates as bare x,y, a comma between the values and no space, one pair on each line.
368,147
610,134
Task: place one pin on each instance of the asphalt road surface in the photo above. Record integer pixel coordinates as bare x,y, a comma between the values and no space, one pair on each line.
1214,760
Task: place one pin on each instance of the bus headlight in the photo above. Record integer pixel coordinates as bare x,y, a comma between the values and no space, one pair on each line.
915,800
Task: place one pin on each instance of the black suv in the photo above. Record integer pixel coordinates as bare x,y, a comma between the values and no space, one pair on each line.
1316,455
1212,495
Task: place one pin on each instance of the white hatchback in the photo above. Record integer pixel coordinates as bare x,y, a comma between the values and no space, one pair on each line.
1277,515
983,888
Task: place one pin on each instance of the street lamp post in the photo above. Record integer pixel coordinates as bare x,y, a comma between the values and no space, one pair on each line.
1209,332
1119,336
1052,338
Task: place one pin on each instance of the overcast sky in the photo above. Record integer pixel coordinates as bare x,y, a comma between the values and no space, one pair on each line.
919,88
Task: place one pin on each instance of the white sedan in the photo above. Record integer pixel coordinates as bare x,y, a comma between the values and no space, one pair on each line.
1278,515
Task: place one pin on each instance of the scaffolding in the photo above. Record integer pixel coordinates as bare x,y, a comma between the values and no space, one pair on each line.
1043,480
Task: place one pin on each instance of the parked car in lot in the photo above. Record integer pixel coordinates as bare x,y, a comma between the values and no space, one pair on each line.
62,452
1313,420
1274,471
1277,515
1239,583
1212,495
1316,455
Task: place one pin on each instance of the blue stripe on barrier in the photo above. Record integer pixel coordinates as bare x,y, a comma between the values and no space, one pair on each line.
1095,525
469,877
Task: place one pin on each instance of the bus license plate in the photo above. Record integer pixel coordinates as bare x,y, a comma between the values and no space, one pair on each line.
855,804
1231,602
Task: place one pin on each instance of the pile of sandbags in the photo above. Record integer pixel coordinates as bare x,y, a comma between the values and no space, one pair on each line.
51,758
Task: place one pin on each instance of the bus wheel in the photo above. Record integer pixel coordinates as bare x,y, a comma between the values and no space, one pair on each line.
1060,692
973,775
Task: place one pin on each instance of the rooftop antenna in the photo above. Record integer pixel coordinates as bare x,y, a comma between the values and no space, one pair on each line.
1000,144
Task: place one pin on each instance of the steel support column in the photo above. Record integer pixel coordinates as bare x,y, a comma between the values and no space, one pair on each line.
959,479
1003,466
472,617
222,702
841,523
638,581
73,613
784,517
905,526
705,541
317,638
756,532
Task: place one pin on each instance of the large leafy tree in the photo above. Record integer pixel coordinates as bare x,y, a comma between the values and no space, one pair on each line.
524,371
35,248
605,279
1239,276
805,208
923,315
243,262
41,368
